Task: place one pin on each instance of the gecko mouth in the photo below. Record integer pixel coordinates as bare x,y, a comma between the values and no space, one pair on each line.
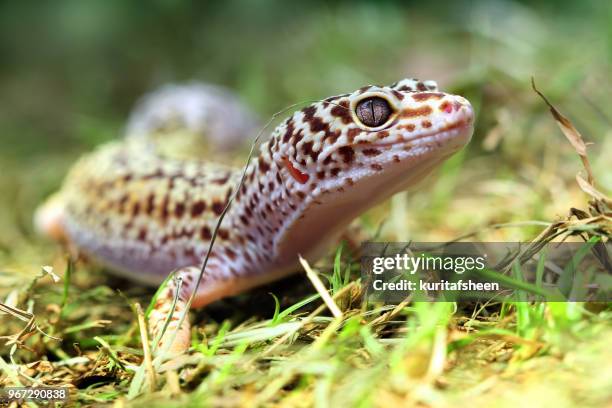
459,127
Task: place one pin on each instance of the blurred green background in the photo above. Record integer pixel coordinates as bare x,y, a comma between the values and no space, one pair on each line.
70,72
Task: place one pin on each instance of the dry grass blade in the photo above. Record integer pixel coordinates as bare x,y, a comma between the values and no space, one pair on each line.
30,327
570,132
146,348
592,191
316,282
307,320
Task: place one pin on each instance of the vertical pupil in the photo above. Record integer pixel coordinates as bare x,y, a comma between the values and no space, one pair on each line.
378,110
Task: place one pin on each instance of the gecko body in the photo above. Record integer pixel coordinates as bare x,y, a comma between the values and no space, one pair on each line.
145,215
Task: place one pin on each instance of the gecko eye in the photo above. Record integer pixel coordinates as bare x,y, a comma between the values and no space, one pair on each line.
373,112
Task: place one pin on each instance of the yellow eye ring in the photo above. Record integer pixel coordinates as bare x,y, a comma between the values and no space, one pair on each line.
373,111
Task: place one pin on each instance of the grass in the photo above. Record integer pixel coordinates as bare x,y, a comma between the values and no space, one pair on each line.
416,353
280,345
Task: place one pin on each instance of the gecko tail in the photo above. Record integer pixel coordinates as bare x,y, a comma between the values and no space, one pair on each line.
48,218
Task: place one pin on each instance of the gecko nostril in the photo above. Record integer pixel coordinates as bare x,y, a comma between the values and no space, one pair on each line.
446,107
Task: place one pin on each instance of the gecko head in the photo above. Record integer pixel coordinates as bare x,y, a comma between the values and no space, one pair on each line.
333,160
376,140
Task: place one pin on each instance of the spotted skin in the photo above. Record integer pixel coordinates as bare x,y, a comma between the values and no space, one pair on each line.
145,215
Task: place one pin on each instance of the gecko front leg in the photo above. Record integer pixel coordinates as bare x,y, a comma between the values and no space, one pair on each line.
169,307
173,300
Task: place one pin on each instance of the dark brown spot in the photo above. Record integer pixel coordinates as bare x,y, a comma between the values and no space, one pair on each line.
421,86
318,125
150,204
136,209
307,151
164,208
205,233
122,203
218,207
426,124
342,111
309,112
334,172
423,96
409,127
352,133
331,137
298,136
371,152
382,134
263,165
405,88
198,208
223,233
347,153
289,131
398,95
221,180
376,166
142,234
179,209
230,254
